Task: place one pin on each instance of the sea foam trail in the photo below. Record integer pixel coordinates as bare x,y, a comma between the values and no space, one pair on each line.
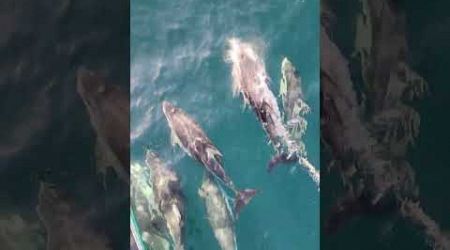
250,79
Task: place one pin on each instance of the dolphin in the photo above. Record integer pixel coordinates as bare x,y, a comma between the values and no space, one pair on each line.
186,133
219,215
252,82
147,222
168,197
294,109
108,107
292,99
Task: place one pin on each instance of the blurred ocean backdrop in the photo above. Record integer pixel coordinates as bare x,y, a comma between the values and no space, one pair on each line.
428,39
177,54
45,131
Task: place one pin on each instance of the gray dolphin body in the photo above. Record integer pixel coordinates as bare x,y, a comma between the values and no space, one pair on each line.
168,197
294,109
252,82
219,214
108,107
192,139
292,98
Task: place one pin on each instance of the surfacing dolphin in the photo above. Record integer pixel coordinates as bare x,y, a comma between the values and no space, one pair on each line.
186,133
219,215
168,197
147,222
252,82
294,109
292,99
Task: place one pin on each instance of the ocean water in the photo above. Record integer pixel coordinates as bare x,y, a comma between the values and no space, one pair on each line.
177,54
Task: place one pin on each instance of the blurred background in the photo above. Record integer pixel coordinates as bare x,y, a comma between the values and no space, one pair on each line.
46,138
390,59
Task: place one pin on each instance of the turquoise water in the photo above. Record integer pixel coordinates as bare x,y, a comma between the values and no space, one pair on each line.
177,54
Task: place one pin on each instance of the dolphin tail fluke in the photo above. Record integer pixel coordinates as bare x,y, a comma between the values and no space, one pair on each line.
243,197
280,159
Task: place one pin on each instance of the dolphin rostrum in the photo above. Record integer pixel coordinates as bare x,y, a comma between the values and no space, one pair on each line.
192,139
